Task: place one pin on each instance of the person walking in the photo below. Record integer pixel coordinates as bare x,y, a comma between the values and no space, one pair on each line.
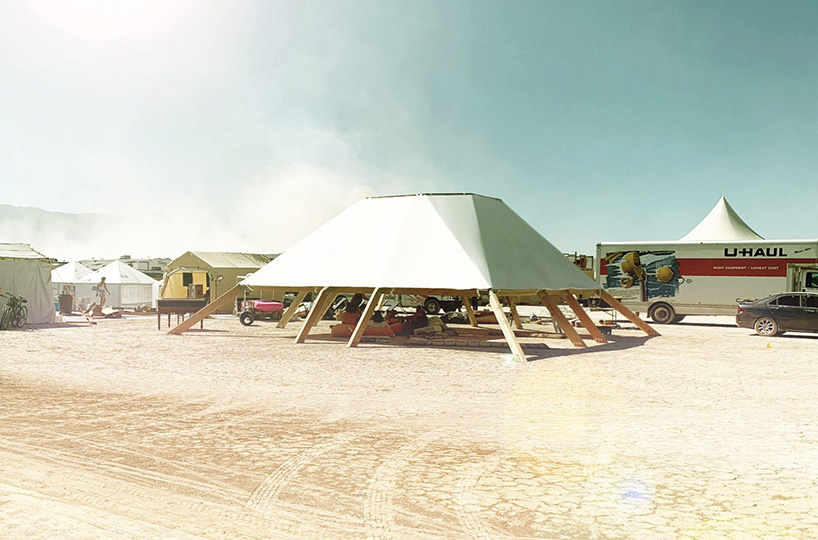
102,295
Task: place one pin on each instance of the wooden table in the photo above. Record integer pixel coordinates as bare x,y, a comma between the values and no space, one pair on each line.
179,306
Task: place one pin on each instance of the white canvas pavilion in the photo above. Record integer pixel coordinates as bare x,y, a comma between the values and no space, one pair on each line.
129,287
444,244
721,224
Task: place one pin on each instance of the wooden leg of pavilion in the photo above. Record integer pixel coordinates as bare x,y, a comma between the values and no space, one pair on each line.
552,307
205,311
630,315
313,316
285,318
469,310
512,307
358,333
327,302
511,338
584,318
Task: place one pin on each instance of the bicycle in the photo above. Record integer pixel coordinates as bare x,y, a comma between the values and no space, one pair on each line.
15,312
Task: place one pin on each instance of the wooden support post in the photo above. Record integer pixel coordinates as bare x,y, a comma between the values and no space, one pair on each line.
358,333
584,318
285,318
630,315
313,316
512,307
557,315
328,300
511,338
199,316
469,310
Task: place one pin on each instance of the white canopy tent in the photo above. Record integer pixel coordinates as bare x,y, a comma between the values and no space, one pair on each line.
452,244
26,272
721,224
129,287
65,278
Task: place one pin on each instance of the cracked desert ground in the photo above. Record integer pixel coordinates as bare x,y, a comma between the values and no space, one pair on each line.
118,431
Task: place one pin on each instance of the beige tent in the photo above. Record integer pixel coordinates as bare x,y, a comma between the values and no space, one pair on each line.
27,272
216,272
445,244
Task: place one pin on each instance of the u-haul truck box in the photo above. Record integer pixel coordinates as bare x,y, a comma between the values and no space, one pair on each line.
668,280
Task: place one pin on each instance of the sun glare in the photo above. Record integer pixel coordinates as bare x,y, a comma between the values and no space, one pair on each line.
111,21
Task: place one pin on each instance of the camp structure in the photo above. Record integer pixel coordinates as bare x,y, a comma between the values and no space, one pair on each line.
209,274
26,272
64,280
435,244
722,224
129,287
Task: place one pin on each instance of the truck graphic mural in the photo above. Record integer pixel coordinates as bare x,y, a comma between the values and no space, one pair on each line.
643,275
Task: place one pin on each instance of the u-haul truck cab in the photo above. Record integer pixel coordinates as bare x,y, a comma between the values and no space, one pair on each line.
669,280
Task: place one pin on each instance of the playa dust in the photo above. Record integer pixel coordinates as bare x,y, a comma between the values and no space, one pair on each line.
118,430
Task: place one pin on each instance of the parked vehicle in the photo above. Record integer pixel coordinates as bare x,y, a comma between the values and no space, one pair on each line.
668,280
430,304
253,310
779,313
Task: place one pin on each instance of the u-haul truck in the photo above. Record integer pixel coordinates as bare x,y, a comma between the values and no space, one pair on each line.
668,280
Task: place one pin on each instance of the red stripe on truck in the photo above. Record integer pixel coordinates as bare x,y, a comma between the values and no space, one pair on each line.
731,267
737,267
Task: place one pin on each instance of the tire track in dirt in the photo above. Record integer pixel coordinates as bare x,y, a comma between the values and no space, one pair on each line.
264,507
467,500
263,499
379,511
206,488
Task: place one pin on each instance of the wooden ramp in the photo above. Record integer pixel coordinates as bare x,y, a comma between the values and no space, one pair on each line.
188,323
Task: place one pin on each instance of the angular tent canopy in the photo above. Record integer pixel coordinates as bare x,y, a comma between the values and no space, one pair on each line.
455,242
721,224
27,272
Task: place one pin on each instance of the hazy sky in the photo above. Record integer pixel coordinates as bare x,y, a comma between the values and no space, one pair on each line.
594,120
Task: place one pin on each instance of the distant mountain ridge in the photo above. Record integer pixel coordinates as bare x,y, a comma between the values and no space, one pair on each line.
46,230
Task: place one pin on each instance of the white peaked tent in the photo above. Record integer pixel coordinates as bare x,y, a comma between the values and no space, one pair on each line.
452,244
70,272
26,272
721,224
129,287
65,278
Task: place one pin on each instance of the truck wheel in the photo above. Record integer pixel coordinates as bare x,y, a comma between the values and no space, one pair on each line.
431,306
678,319
662,313
246,318
766,326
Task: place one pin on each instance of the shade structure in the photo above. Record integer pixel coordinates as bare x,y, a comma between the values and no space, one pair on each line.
459,244
452,242
721,224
